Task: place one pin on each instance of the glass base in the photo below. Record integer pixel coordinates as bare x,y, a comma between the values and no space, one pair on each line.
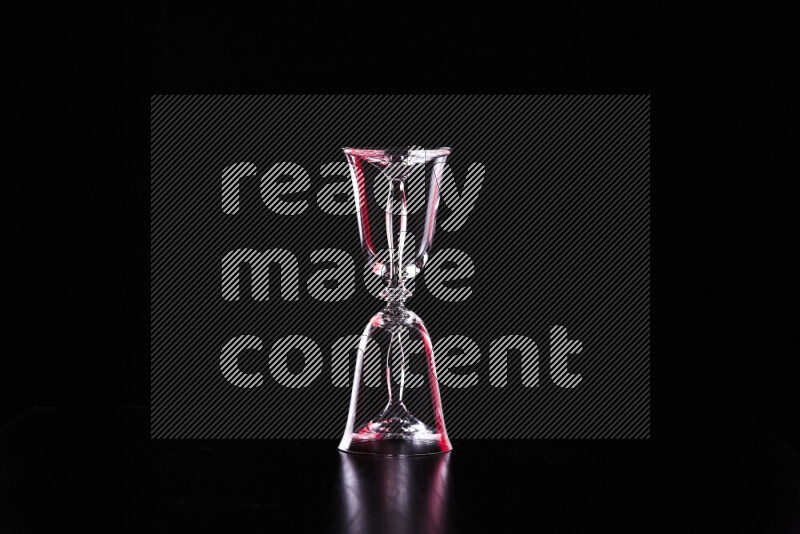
402,344
395,432
396,447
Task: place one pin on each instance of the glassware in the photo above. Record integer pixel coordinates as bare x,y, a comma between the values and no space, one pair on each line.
392,413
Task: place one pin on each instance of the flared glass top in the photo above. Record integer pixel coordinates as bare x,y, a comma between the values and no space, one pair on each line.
396,190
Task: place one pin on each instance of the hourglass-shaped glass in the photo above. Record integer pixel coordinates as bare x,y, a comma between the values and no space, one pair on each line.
395,407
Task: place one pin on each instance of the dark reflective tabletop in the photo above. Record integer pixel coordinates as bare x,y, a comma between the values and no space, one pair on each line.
98,469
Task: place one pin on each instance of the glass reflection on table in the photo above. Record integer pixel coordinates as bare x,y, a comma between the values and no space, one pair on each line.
393,494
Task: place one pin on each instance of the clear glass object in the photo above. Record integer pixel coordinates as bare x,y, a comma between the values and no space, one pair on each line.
395,406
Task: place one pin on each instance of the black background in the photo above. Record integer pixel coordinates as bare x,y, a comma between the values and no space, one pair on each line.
77,218
556,238
79,222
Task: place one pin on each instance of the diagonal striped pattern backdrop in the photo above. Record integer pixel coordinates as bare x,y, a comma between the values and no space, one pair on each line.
557,244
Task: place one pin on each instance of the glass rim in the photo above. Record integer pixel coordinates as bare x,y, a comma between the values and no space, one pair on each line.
395,151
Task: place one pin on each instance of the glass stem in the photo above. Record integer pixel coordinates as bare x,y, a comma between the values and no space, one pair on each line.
396,230
402,367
